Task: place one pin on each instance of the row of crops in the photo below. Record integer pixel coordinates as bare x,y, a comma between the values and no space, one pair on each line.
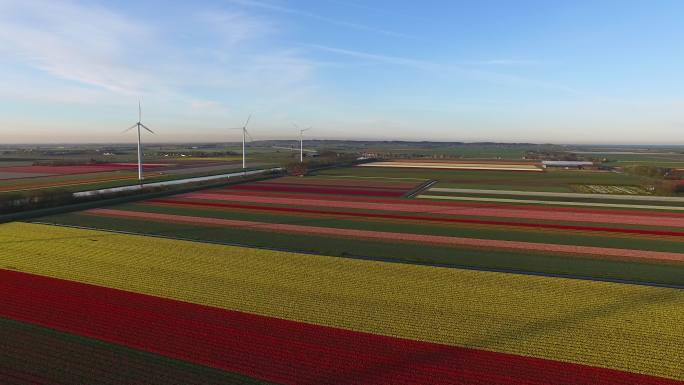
343,279
298,318
321,214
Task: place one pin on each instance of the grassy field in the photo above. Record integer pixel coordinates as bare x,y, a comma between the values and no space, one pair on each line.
466,151
654,159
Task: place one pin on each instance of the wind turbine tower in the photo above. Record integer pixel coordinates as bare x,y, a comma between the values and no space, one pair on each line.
301,142
244,135
140,150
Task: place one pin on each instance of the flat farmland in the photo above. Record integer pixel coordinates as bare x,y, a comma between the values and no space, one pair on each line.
22,178
26,178
550,180
346,277
625,201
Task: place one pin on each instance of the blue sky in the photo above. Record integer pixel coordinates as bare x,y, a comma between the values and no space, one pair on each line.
536,71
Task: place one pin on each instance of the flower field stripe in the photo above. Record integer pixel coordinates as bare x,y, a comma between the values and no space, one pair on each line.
551,202
64,170
340,186
630,197
174,202
323,182
319,182
296,353
15,188
319,190
448,204
631,328
360,177
529,213
391,236
45,355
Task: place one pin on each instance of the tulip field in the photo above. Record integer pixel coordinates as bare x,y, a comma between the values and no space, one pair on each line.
28,178
321,214
338,278
298,318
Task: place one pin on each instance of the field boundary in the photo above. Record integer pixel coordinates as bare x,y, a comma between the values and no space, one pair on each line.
422,187
379,259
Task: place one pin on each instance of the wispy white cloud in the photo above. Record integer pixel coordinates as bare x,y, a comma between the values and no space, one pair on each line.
390,11
206,104
310,15
394,60
86,44
102,51
61,55
508,62
232,27
472,71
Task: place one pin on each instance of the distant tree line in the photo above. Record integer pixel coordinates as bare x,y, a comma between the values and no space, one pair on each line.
33,200
326,159
67,162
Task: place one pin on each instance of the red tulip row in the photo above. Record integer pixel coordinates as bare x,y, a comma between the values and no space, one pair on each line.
320,190
274,349
78,169
341,182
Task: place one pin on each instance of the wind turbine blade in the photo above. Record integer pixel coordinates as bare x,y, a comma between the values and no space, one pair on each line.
250,136
296,126
129,128
139,111
145,127
248,119
306,129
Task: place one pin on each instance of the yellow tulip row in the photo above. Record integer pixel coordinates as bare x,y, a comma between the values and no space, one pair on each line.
626,327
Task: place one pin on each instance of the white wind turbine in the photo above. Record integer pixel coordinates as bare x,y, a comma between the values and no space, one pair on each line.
140,153
301,142
244,134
